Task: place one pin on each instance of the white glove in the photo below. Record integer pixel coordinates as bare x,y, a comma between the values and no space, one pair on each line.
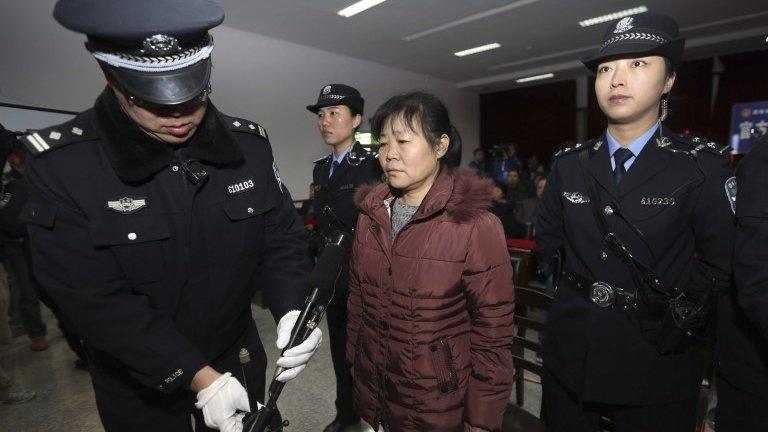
220,402
295,359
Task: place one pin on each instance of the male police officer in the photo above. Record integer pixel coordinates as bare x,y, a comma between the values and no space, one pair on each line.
644,220
339,110
154,218
742,360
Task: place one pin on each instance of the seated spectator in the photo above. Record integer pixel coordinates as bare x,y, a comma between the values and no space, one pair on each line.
516,190
505,212
526,209
478,163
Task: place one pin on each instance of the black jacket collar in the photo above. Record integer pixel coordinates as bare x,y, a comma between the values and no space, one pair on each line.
136,156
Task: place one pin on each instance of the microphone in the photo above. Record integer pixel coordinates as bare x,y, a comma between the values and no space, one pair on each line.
195,173
322,280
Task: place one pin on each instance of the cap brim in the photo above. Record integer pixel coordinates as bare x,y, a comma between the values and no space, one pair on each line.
314,108
164,88
355,103
672,50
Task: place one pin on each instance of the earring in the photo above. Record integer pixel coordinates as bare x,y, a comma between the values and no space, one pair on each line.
132,99
664,109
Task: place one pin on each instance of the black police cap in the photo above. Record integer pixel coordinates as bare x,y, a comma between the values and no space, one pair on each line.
339,94
156,50
642,34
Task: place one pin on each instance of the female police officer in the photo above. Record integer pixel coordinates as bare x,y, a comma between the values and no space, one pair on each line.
153,218
336,178
629,211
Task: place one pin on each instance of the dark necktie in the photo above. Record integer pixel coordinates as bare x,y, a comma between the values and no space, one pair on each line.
621,156
333,167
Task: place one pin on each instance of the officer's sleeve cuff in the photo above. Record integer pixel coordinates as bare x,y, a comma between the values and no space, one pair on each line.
180,375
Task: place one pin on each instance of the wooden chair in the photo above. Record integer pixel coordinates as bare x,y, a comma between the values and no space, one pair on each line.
526,299
521,265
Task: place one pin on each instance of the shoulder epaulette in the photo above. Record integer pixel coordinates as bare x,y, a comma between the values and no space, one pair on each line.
699,144
48,139
577,147
241,125
322,159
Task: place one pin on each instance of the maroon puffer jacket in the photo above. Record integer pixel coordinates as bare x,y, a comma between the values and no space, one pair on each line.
430,318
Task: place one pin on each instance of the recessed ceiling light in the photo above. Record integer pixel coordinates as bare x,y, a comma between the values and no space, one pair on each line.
613,16
535,78
476,50
358,7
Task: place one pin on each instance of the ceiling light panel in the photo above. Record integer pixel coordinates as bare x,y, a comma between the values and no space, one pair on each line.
613,16
475,50
358,7
468,19
535,78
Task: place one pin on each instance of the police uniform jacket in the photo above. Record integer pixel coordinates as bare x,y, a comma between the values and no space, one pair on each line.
153,270
675,195
337,192
743,326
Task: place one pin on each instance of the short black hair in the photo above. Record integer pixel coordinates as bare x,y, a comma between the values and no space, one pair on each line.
429,113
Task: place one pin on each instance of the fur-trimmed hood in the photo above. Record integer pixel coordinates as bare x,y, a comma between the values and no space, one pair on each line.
459,192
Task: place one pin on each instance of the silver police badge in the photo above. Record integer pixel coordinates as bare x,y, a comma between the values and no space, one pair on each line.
576,197
602,294
624,25
160,45
730,191
327,90
127,205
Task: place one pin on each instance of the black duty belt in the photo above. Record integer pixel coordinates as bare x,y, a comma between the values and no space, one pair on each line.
601,294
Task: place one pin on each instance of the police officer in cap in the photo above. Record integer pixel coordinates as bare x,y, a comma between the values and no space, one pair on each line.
154,218
336,177
643,219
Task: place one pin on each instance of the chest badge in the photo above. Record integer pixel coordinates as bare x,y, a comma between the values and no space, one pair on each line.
241,187
576,197
127,205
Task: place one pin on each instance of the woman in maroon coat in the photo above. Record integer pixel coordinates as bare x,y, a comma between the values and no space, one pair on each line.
431,299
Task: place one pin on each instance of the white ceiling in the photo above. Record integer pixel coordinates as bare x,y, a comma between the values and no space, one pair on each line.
537,36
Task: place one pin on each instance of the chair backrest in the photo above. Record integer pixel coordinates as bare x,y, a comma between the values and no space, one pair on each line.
521,265
527,299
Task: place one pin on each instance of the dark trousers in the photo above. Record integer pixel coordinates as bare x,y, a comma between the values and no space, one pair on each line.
25,304
125,405
565,413
337,330
738,410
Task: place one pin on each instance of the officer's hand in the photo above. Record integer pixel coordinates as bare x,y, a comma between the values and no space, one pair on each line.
220,403
469,428
295,359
